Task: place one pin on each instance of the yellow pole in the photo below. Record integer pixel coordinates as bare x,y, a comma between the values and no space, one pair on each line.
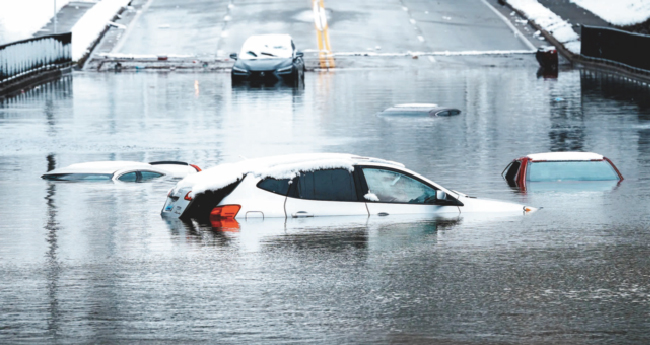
320,22
326,36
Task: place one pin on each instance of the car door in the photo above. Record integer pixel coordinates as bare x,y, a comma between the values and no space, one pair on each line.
390,191
324,192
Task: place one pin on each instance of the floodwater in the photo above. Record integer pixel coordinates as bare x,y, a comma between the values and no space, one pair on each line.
95,262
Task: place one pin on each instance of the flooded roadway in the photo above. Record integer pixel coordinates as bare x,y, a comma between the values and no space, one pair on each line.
95,263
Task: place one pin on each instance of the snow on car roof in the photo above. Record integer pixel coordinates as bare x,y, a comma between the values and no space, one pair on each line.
101,167
278,167
416,105
564,156
278,45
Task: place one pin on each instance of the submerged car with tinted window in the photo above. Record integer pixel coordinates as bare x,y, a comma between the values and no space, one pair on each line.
312,185
268,58
568,168
121,171
420,109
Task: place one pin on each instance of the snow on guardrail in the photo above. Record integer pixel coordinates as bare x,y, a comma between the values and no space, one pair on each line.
618,12
89,28
21,58
559,28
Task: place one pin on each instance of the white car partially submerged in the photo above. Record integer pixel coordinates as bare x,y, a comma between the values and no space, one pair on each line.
123,171
311,185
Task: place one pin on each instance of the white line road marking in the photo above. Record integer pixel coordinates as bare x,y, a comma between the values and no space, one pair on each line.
432,59
127,32
412,21
421,39
512,27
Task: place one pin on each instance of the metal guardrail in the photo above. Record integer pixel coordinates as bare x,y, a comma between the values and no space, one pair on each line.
23,58
616,47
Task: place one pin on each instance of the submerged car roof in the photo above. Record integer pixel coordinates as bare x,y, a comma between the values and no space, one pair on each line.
565,156
279,167
101,167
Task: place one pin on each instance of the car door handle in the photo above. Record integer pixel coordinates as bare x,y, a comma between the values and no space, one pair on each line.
302,214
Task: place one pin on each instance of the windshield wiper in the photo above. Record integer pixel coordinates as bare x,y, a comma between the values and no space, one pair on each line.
252,53
268,54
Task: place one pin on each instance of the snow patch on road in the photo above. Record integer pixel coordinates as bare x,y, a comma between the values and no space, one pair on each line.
89,27
550,22
618,12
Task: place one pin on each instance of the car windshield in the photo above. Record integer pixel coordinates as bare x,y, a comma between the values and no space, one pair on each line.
263,47
571,171
78,177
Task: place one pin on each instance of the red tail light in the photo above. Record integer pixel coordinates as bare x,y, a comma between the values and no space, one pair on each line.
225,224
195,167
226,211
188,197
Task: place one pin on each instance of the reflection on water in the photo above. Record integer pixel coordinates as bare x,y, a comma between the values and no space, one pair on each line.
85,263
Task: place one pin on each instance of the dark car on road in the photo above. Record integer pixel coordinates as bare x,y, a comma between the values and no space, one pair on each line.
268,59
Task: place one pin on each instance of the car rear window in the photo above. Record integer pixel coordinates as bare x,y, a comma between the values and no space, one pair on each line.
78,177
275,186
326,185
555,171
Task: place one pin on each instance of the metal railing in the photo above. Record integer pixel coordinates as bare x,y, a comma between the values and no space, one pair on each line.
23,58
616,47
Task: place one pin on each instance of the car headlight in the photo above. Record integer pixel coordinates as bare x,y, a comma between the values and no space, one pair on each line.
285,69
239,70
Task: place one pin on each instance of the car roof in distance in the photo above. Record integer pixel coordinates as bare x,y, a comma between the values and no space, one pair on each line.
565,156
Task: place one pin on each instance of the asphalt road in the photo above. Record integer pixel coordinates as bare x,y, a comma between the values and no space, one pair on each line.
214,29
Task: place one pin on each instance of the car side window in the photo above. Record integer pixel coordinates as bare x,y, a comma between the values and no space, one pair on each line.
511,173
326,185
274,186
394,187
149,175
129,177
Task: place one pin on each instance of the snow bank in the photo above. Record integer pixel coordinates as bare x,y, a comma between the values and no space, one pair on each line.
90,26
550,22
618,12
278,167
20,19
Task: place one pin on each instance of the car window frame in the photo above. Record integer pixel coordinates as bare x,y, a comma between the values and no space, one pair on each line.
291,182
531,162
138,175
456,202
293,186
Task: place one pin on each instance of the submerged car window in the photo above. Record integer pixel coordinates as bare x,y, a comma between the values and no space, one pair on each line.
149,175
392,186
327,185
78,177
129,177
571,171
512,171
275,186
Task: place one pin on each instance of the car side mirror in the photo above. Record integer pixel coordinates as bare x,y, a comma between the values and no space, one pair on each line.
441,195
299,54
233,56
